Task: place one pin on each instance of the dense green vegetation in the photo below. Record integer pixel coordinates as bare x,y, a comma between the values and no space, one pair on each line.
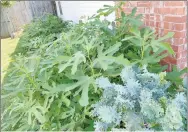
7,3
51,84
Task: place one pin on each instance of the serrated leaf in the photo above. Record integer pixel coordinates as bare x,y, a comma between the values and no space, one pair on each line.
113,49
175,75
134,30
74,62
69,86
67,113
32,63
119,60
65,100
133,11
13,93
62,58
38,115
79,57
29,118
62,67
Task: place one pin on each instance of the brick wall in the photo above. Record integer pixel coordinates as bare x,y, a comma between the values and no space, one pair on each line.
166,16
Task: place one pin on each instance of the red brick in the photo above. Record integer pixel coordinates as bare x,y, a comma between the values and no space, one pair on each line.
147,16
182,54
179,27
178,41
180,11
164,10
156,10
173,3
157,31
151,17
181,60
180,34
178,55
176,19
185,53
178,48
185,40
165,31
127,9
147,23
147,10
158,24
143,4
161,32
155,3
173,11
140,10
168,25
151,23
157,17
133,3
127,4
182,65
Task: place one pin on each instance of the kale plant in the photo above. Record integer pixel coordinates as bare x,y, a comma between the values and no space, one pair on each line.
140,103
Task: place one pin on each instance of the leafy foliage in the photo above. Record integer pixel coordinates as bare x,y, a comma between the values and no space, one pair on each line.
41,30
141,103
58,81
51,84
7,4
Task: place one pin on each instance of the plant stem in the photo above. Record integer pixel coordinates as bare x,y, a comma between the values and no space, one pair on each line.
92,70
142,51
30,78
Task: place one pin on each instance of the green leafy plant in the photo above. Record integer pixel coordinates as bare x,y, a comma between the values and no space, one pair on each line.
139,45
175,76
7,4
39,31
51,83
141,103
65,76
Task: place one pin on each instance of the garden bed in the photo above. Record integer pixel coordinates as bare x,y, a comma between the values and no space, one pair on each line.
93,76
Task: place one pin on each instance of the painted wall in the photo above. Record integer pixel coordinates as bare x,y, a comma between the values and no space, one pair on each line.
74,10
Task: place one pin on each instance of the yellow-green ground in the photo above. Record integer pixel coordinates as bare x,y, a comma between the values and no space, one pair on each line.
8,46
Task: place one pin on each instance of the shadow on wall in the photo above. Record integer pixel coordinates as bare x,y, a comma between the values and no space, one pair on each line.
81,9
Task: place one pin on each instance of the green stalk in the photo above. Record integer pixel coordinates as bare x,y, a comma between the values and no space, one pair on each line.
142,51
30,78
92,70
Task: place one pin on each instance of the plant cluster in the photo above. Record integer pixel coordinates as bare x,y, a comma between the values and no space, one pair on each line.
51,83
40,31
140,103
7,4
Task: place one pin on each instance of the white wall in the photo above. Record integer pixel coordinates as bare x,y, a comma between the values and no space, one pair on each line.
73,10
